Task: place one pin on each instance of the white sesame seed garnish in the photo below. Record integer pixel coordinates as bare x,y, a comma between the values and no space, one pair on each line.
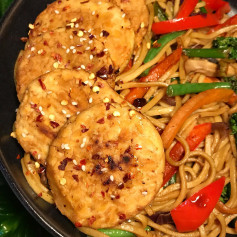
96,89
88,48
51,117
93,13
56,12
83,168
63,181
91,76
31,26
42,112
106,100
91,57
40,51
89,30
123,15
65,146
132,113
111,178
40,108
83,67
64,111
116,113
37,165
68,115
74,51
68,50
72,47
80,33
142,25
74,162
23,135
77,25
144,193
39,156
55,65
105,50
71,36
104,169
32,49
74,103
74,20
90,100
78,112
86,82
64,102
90,41
63,47
148,45
129,220
112,196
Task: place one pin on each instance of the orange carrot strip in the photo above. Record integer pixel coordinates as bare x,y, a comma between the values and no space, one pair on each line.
196,102
155,73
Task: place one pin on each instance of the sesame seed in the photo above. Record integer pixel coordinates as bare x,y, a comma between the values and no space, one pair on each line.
77,25
83,168
144,193
82,39
63,181
64,111
71,36
85,82
129,220
64,47
116,113
132,113
88,48
106,100
80,33
74,162
42,112
40,51
74,51
68,50
101,34
39,156
90,100
112,196
74,103
78,112
31,26
148,45
92,76
40,108
74,20
37,165
65,146
89,30
13,134
142,25
104,169
123,15
83,67
72,47
68,116
23,135
91,57
32,49
105,50
56,12
90,41
55,65
51,117
111,178
93,13
96,89
64,102
70,24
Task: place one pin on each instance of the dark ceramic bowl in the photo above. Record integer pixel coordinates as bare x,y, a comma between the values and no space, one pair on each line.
12,27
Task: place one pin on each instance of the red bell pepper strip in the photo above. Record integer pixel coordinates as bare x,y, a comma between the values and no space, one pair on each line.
196,136
154,74
229,22
186,8
214,5
193,212
191,22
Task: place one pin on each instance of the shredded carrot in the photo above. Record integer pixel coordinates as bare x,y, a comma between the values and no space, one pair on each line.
155,73
210,80
196,102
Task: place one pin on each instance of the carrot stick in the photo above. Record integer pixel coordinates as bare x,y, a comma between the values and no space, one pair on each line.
155,73
196,102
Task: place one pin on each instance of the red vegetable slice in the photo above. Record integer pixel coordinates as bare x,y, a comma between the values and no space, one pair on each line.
193,212
186,8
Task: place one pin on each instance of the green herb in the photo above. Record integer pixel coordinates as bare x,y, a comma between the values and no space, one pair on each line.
225,195
171,181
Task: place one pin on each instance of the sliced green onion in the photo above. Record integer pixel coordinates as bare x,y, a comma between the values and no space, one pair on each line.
206,53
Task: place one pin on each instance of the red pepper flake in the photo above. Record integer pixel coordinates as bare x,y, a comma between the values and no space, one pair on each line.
42,84
109,116
54,124
33,106
101,121
84,129
39,118
91,220
18,157
75,177
100,54
57,57
103,194
83,162
41,169
40,194
117,196
122,216
77,167
34,153
105,33
24,39
78,224
107,106
126,177
46,43
59,45
27,172
65,8
63,163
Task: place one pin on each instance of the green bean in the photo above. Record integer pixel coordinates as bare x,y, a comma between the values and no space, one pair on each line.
190,88
117,233
206,53
162,42
159,12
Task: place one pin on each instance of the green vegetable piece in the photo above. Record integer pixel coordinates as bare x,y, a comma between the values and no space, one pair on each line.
175,79
117,233
148,228
233,123
190,88
225,195
233,82
207,53
162,42
159,12
203,9
171,181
